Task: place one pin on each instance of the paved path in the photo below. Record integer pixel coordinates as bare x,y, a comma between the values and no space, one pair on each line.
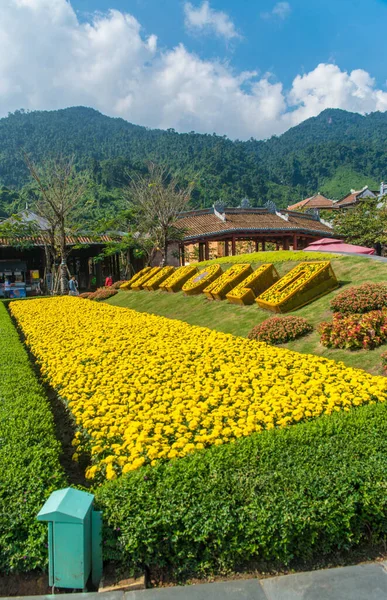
362,582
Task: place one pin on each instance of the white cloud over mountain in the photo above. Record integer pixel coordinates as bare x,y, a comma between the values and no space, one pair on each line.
205,19
49,60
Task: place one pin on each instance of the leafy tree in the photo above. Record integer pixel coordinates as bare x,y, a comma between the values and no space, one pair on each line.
365,224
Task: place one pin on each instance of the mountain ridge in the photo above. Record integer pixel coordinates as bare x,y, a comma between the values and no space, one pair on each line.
319,154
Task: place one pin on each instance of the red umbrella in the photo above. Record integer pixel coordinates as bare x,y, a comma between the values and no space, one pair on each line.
332,245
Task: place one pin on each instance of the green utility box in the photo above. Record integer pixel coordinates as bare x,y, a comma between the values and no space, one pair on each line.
74,539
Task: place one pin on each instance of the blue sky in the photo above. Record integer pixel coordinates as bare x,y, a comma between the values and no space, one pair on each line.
349,33
241,68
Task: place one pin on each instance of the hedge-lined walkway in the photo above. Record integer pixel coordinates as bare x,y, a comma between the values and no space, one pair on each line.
29,456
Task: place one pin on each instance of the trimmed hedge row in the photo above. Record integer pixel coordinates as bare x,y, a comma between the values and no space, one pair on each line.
297,493
29,456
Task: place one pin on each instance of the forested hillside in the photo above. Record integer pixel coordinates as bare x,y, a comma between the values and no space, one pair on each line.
330,153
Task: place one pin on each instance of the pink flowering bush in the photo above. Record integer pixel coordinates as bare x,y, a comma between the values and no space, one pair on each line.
361,299
279,330
354,332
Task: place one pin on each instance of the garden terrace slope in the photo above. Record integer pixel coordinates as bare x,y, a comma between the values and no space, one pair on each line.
239,320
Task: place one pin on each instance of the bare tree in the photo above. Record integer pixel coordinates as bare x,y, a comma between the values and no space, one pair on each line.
157,201
61,191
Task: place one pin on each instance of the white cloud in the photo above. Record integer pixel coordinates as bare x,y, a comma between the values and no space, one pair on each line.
205,19
49,60
281,10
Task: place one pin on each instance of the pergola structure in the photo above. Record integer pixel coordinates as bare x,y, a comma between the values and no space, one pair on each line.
284,228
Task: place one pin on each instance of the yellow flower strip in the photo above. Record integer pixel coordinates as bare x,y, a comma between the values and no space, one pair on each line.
154,282
175,282
198,282
292,281
256,283
140,282
128,284
218,289
143,388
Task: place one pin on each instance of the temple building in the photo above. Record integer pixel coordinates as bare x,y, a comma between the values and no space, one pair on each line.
256,227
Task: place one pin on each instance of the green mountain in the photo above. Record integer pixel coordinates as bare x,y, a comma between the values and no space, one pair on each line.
330,153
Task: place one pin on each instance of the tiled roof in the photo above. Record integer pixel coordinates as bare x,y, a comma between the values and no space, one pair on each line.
204,223
316,201
348,199
70,240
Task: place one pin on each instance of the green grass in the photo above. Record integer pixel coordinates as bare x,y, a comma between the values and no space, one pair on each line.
239,320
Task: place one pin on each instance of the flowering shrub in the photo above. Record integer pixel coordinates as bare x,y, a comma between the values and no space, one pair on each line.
140,391
361,299
355,331
103,294
175,282
279,330
306,282
161,275
197,283
139,282
86,295
255,284
384,361
218,289
117,285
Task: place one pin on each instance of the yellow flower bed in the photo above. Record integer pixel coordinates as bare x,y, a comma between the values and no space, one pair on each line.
259,281
141,281
306,282
154,282
175,282
143,388
218,289
197,283
128,284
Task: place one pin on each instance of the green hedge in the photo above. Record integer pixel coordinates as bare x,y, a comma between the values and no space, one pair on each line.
294,494
29,456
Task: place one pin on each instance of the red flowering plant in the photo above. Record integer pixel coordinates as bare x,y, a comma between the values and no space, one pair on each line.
384,361
279,330
361,299
118,284
354,332
103,293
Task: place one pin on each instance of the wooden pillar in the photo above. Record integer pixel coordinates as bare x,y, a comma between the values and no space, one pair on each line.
286,244
263,245
226,248
295,241
182,254
206,250
201,251
257,245
233,248
277,246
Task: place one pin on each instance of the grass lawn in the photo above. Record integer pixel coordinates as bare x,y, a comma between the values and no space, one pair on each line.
239,320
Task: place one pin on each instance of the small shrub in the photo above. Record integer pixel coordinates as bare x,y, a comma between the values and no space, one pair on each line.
354,332
103,294
361,299
279,330
384,361
86,295
118,284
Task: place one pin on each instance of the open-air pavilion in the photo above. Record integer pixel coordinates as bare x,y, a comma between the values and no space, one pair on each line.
283,228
